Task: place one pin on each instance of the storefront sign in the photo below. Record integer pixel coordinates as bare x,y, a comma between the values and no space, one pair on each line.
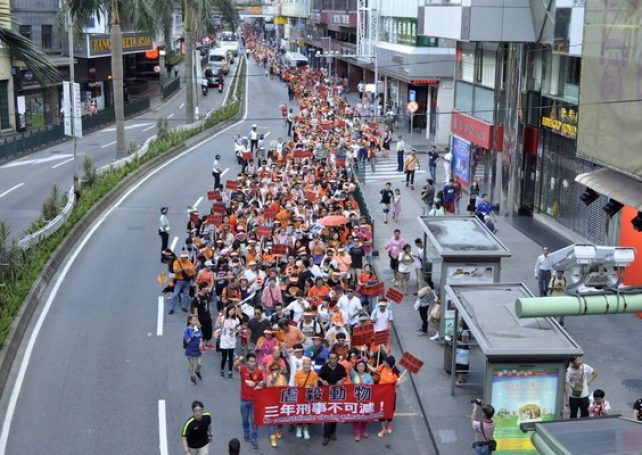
350,403
474,130
522,394
461,161
341,19
560,127
280,20
101,44
424,81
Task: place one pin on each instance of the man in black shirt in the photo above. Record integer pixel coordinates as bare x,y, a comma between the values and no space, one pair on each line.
332,373
357,253
433,156
386,199
197,431
256,326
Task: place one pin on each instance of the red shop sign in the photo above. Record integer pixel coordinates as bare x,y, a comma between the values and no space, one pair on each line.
349,403
474,130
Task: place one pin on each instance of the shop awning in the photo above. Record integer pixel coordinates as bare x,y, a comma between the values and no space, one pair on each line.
624,189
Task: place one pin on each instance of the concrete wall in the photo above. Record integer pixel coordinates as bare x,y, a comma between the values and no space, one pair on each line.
37,13
417,62
445,103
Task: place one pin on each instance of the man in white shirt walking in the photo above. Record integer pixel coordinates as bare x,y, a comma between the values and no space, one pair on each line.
543,272
350,307
401,145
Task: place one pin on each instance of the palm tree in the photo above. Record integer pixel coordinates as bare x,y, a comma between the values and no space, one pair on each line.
139,14
24,49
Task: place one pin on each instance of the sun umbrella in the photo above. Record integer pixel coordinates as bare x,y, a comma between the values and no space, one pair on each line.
333,220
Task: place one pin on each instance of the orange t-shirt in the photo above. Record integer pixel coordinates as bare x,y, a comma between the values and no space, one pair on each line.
303,379
387,375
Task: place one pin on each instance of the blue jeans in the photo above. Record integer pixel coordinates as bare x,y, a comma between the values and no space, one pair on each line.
247,419
181,290
482,450
433,172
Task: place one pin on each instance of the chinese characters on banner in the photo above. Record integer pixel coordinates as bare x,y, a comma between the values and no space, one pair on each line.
350,403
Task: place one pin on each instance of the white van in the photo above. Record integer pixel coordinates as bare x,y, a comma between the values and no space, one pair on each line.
217,59
295,59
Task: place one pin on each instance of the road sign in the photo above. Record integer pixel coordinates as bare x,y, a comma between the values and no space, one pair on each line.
72,108
412,106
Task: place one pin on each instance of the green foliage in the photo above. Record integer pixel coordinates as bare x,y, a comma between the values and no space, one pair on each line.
162,127
173,58
26,266
132,147
51,205
89,170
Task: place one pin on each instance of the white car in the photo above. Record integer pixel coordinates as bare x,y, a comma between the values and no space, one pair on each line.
229,42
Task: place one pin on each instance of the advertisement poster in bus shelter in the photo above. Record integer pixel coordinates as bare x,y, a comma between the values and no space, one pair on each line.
524,394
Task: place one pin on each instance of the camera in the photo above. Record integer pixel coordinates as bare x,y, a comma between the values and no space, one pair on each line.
476,401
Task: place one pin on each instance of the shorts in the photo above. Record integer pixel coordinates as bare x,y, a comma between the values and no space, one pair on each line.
394,263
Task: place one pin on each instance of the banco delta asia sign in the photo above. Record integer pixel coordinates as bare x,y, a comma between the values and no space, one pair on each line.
132,42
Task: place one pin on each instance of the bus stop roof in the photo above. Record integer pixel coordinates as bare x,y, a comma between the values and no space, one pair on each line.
462,237
489,312
611,435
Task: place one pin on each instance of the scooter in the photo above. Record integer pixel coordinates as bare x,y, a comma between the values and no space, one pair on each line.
204,89
220,87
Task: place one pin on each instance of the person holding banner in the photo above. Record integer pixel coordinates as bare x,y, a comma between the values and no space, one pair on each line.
359,376
251,379
388,373
332,373
275,378
307,378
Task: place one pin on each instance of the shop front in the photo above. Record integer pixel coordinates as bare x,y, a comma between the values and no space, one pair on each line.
557,194
472,145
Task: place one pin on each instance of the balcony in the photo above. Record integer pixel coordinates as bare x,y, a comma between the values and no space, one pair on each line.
478,20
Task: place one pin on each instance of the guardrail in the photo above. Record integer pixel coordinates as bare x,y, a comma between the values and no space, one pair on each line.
170,88
52,226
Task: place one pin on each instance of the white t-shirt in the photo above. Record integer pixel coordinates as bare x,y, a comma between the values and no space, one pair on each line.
349,308
380,319
297,308
405,266
229,331
573,376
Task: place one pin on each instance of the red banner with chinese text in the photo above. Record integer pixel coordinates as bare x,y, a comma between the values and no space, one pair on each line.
349,403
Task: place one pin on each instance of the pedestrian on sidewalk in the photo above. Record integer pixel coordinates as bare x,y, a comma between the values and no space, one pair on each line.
418,256
386,199
410,165
197,431
579,377
450,196
458,195
484,429
599,406
557,288
406,262
216,172
543,268
473,195
396,205
433,156
163,230
394,246
251,380
192,344
401,145
437,209
387,139
427,196
448,156
426,297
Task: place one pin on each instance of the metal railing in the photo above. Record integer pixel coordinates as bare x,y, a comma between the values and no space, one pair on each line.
21,143
169,88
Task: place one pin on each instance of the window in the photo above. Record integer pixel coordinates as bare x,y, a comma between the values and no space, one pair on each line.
562,23
467,65
46,32
25,30
488,68
464,97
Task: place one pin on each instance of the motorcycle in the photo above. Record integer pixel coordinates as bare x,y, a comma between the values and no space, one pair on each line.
204,87
220,87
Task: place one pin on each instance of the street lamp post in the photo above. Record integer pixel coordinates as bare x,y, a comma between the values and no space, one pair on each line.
70,39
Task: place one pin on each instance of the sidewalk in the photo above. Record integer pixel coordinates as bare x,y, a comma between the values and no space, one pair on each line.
448,415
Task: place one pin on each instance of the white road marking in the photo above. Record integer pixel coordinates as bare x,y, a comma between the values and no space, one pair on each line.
31,343
159,316
11,189
174,242
127,127
170,115
149,128
107,145
162,428
35,161
225,171
266,134
181,106
198,201
63,163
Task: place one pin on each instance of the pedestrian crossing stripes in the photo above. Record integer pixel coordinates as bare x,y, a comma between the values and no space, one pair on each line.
386,171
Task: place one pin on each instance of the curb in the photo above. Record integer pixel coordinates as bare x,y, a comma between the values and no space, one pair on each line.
40,287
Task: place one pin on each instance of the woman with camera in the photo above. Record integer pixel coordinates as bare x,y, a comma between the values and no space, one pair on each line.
484,442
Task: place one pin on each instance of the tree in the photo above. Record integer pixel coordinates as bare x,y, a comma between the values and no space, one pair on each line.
138,14
24,49
229,13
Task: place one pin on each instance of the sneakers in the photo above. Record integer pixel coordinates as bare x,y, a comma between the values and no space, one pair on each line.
299,432
222,374
325,441
306,434
422,334
246,436
279,434
273,440
255,445
333,436
184,310
434,337
357,437
193,378
230,375
171,312
364,434
198,375
389,428
381,433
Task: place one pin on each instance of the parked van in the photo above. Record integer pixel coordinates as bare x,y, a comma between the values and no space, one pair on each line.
294,59
217,59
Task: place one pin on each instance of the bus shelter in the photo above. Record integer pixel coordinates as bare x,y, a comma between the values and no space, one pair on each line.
463,251
523,360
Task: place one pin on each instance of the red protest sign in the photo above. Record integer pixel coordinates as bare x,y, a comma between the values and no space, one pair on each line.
218,207
302,154
349,403
381,337
311,196
213,195
263,231
340,162
362,335
247,156
375,290
279,249
232,185
269,214
394,295
410,362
